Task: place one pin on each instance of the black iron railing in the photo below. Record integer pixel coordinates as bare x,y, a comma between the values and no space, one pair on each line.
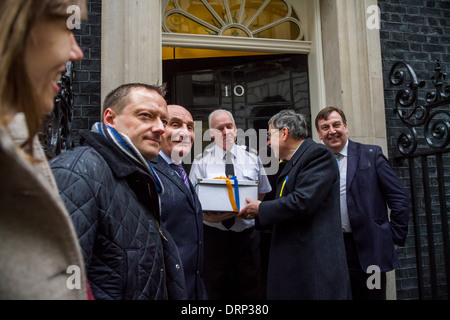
425,144
56,135
428,116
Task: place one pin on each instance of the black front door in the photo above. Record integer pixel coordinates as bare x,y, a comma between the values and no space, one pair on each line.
252,88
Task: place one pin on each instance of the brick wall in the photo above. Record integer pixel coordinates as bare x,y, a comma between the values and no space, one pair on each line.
416,32
86,86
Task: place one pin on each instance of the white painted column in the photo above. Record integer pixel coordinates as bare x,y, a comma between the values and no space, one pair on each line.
131,43
354,75
317,88
353,68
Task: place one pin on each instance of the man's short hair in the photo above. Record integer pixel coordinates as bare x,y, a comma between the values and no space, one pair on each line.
212,114
294,122
325,113
118,98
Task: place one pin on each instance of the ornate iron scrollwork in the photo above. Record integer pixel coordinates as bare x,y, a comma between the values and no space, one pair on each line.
428,118
56,136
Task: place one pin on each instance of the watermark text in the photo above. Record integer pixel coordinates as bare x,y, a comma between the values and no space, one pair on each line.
74,280
74,21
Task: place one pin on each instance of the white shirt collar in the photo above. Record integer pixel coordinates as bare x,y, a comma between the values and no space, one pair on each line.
165,157
344,150
297,149
221,153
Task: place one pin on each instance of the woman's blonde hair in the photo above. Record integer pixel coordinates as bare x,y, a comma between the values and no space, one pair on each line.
17,18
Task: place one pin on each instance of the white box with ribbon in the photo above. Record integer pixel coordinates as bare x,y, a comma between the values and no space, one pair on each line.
225,196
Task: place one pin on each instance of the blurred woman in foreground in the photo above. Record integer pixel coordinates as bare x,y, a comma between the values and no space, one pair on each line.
40,257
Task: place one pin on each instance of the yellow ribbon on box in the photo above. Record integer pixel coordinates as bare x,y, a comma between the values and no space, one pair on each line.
230,192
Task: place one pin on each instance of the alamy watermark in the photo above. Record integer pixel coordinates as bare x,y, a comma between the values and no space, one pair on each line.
255,140
374,281
74,20
74,280
373,20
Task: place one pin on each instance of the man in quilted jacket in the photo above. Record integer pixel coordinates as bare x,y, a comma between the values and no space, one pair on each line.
112,194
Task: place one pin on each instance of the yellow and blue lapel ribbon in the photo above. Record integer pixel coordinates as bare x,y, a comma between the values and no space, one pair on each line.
284,183
282,187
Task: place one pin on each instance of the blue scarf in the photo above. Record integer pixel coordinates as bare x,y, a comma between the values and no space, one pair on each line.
124,143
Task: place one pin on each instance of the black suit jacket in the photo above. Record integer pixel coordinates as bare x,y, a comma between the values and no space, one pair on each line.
307,254
372,185
181,214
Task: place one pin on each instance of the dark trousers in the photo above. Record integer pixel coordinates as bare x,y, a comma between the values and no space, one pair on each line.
231,264
359,277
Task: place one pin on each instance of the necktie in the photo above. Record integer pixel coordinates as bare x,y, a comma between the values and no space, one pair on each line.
180,170
229,167
338,158
229,172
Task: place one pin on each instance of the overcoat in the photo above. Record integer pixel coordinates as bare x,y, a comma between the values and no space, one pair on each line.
114,204
39,249
307,254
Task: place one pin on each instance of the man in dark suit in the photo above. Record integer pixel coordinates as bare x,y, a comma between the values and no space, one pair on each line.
307,253
181,211
367,184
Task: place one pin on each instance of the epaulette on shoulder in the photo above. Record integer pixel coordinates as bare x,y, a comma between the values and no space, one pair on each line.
199,156
250,150
205,152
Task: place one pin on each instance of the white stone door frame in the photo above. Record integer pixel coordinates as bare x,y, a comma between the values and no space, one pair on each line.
309,12
344,57
132,42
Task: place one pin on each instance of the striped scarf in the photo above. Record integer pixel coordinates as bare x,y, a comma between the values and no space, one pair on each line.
126,146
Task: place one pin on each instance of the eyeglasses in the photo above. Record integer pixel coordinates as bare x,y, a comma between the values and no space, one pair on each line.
269,135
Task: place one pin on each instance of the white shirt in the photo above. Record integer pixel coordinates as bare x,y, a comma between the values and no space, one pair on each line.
247,166
343,189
